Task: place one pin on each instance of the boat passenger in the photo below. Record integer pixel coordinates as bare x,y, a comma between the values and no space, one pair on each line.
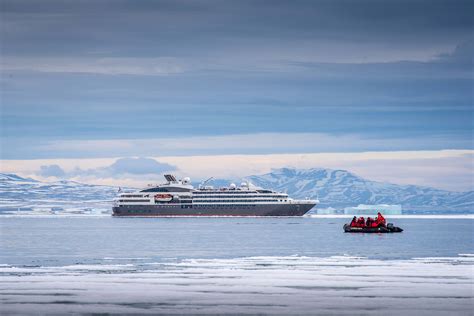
374,224
354,222
361,222
369,222
380,220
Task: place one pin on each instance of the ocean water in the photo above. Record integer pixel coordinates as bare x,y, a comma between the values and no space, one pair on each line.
54,265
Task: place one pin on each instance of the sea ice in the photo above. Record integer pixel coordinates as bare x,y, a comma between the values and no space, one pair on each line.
268,284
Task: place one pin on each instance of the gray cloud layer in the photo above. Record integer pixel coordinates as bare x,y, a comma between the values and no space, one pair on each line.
138,166
74,71
51,171
131,167
197,28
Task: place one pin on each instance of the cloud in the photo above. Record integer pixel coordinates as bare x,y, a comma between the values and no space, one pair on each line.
249,77
131,172
138,166
126,167
461,55
51,171
164,28
258,143
101,66
122,168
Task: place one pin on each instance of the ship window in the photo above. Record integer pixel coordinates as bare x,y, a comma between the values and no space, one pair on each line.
169,189
155,190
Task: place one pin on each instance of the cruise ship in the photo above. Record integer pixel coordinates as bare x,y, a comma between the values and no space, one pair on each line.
180,198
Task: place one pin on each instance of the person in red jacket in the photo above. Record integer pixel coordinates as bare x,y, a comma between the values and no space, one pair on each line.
371,222
380,220
354,222
374,223
368,222
361,222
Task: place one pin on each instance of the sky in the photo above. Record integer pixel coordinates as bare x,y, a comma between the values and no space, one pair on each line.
87,87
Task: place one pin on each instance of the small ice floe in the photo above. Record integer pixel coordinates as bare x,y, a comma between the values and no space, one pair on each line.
125,258
98,267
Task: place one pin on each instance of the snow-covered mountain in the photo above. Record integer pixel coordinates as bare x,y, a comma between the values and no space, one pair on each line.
340,188
28,195
334,188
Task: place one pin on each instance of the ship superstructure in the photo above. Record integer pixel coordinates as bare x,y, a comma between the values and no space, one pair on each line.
180,198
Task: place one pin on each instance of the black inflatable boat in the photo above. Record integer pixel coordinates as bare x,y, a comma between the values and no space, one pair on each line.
388,229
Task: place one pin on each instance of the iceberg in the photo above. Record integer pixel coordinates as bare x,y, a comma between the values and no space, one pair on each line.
326,211
364,209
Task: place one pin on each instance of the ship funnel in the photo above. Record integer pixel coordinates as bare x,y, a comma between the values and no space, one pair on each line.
170,178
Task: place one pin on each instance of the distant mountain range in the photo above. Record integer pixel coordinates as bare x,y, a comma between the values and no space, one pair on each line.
29,195
334,188
340,188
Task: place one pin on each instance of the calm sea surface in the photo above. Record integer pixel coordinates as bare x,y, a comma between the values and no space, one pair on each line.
63,241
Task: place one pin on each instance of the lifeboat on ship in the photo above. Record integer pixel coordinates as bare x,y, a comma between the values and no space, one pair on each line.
163,197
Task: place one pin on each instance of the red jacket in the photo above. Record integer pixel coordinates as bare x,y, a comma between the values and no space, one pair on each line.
380,219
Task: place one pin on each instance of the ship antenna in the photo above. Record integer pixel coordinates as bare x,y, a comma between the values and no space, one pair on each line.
206,181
